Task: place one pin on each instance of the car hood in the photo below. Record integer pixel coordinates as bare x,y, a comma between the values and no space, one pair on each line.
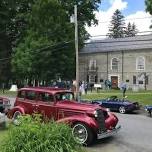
78,106
148,107
127,102
123,102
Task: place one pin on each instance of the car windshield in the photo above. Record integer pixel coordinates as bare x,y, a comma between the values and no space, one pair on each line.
113,99
64,96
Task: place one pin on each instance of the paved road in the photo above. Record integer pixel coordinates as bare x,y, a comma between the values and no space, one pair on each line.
135,136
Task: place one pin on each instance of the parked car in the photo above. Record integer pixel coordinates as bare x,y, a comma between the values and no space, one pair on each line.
116,104
4,104
88,121
148,108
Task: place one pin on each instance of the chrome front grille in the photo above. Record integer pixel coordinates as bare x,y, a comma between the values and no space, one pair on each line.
101,120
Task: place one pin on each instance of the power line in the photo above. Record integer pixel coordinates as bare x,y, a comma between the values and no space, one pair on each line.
44,49
120,45
3,59
107,33
62,45
54,47
139,18
116,41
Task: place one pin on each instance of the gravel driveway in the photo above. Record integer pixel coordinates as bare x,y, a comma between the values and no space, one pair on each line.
135,135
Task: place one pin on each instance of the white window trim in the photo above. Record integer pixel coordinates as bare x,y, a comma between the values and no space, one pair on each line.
111,63
92,61
117,75
137,63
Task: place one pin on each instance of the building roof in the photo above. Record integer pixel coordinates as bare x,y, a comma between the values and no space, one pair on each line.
109,45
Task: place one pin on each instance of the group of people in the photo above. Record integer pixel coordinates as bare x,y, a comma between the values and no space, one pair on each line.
84,86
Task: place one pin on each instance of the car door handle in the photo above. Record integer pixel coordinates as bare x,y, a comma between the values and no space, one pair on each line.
35,105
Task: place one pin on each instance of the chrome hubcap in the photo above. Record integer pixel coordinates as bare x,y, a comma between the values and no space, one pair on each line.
122,110
80,133
15,118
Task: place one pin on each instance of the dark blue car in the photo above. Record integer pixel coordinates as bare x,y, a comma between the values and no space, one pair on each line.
116,104
149,109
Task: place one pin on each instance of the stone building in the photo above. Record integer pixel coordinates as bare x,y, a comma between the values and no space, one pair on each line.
123,59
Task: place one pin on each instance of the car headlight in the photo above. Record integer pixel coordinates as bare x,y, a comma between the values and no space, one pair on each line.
107,109
95,113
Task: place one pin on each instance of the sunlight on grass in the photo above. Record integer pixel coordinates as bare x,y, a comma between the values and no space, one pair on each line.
8,93
143,97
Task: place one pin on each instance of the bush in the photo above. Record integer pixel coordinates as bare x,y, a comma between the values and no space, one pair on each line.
32,135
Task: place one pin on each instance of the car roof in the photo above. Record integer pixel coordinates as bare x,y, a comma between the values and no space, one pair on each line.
46,89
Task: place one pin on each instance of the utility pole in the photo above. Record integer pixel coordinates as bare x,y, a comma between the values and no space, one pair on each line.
76,51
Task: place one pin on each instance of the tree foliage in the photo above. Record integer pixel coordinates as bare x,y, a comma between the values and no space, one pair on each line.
117,27
130,30
148,4
39,37
47,48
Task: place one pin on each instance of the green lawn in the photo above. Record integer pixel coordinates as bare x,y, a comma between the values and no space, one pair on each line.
3,134
8,93
143,97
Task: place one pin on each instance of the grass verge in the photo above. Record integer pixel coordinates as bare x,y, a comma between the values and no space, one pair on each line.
143,97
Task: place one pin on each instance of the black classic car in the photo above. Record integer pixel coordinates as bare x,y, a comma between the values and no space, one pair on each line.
116,104
148,108
4,104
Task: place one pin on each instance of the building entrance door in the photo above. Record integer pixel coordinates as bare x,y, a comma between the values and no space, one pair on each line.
114,81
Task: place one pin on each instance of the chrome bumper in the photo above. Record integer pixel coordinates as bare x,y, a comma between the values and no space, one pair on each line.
109,133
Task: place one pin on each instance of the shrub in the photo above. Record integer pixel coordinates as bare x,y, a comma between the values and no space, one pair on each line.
33,135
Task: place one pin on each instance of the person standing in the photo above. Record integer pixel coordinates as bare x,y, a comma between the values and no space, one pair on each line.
109,84
86,87
106,84
123,87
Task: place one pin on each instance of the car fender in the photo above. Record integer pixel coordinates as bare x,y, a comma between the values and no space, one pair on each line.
89,121
14,109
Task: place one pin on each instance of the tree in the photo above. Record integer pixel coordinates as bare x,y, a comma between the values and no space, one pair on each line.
148,4
5,43
117,27
12,28
134,29
47,48
130,30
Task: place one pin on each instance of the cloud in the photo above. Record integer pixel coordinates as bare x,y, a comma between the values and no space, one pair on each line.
141,19
104,18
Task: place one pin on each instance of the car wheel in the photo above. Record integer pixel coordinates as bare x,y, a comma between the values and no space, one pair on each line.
122,110
150,113
15,117
82,133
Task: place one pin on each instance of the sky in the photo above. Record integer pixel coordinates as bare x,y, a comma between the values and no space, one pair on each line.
132,10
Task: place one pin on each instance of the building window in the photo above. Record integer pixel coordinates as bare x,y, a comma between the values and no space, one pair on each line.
92,64
96,79
114,64
140,63
140,82
134,79
91,79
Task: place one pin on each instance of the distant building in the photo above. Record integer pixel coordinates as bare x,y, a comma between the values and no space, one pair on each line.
123,59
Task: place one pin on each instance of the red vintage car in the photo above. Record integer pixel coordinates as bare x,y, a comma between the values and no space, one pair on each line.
88,121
